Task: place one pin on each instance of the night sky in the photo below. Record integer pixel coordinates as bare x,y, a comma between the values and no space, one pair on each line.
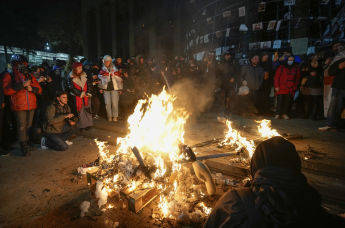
30,24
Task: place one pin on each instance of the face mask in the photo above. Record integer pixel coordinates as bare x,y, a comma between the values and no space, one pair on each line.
290,63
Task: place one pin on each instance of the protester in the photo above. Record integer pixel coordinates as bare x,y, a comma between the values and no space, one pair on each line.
2,115
144,74
161,76
111,85
327,89
279,195
253,74
227,74
65,73
141,67
119,64
80,88
45,98
338,94
209,68
312,89
57,74
286,81
266,86
23,88
129,99
192,70
95,91
131,68
60,122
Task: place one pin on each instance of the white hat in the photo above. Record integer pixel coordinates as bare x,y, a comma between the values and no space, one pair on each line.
107,58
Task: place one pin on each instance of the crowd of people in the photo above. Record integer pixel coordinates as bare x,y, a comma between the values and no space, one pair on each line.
47,103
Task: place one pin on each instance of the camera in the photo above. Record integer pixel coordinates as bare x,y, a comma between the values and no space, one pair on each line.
22,68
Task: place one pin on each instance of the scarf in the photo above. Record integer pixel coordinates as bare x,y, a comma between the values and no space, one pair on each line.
80,85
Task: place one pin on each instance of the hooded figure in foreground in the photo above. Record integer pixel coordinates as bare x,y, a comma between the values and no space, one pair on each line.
279,195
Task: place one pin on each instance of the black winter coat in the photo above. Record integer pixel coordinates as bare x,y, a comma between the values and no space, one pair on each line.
339,80
278,197
225,72
314,81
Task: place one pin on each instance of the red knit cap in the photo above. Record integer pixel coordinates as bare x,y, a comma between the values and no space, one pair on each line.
76,64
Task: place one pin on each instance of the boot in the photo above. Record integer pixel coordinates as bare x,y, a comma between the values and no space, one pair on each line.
30,145
24,149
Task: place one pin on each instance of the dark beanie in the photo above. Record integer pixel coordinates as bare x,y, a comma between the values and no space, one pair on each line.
277,152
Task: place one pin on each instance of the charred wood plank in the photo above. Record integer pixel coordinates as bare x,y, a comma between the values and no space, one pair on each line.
138,199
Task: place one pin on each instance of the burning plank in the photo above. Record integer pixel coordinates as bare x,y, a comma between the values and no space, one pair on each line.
140,198
146,162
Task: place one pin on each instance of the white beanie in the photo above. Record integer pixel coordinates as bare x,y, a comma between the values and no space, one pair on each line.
107,58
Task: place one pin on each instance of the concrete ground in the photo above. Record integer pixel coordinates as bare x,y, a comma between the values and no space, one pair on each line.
43,191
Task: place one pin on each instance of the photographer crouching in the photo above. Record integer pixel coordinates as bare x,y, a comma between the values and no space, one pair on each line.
59,125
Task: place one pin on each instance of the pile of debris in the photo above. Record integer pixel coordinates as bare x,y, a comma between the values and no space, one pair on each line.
151,161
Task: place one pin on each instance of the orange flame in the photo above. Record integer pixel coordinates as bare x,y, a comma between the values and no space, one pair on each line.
234,138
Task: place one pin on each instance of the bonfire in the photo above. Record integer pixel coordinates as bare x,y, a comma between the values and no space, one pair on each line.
156,132
150,157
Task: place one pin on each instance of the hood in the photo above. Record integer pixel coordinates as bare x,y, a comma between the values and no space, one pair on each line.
284,196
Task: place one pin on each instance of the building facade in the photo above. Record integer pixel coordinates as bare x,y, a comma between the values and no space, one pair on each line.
246,26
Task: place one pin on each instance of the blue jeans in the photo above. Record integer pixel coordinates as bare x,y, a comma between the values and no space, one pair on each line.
111,99
57,141
335,107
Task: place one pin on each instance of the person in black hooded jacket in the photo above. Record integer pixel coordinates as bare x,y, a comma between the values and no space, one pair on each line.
338,94
279,195
312,89
267,84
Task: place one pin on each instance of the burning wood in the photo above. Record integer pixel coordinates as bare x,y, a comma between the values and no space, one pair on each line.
147,162
138,199
150,161
142,165
234,139
265,129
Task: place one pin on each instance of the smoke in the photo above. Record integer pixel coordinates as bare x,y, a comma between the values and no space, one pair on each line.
196,96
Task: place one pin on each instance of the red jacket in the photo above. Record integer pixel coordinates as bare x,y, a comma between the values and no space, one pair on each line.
21,99
287,79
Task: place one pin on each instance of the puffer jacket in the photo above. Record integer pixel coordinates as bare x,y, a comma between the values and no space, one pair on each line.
287,79
21,99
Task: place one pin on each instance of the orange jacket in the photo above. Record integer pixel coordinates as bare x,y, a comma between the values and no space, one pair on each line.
21,98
